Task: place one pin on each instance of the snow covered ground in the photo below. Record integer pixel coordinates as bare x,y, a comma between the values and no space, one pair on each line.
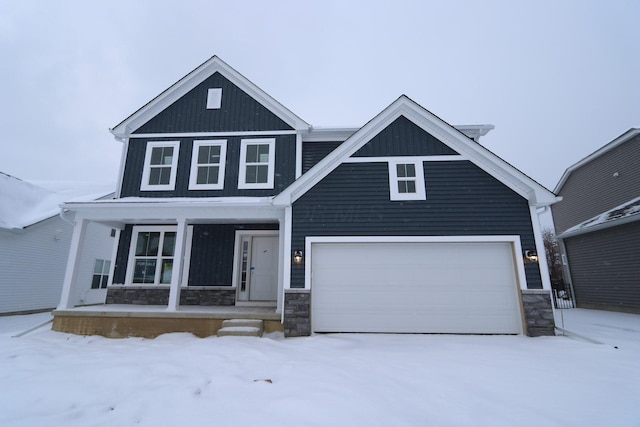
54,379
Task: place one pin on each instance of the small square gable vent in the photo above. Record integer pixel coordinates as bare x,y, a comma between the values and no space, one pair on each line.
214,98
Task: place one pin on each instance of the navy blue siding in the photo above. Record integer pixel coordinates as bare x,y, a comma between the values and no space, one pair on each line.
403,138
285,162
462,199
313,152
211,253
238,112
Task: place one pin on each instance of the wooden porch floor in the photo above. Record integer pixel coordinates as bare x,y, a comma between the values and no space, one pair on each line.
127,320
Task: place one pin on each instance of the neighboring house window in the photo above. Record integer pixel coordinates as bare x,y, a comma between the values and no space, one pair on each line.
151,259
214,98
256,163
100,274
207,165
406,180
160,164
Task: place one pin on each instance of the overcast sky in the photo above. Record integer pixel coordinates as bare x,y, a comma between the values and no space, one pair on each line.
558,79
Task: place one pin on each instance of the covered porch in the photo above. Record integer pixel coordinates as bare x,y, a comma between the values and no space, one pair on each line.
196,269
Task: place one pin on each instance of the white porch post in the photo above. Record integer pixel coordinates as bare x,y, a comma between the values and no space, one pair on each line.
178,265
71,273
540,250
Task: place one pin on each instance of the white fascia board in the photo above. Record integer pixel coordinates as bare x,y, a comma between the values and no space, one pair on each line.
327,134
134,210
403,106
610,146
190,81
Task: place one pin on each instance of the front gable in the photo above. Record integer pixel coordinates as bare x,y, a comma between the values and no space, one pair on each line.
403,138
237,111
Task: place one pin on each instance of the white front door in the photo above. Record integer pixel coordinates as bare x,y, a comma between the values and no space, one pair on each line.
257,280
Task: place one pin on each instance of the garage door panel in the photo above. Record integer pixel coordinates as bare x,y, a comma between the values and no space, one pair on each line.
414,287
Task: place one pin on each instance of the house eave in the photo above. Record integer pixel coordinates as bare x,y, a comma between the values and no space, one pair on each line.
631,133
603,226
214,64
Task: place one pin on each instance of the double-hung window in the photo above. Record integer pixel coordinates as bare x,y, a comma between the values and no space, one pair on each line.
207,165
257,163
406,180
160,165
151,255
100,278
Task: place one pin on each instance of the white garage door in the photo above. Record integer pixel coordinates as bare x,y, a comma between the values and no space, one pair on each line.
415,287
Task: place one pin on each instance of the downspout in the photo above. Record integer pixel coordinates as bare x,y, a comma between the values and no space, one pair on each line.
62,216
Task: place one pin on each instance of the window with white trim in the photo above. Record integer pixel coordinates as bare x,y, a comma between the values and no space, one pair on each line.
151,255
256,163
100,277
160,165
406,180
207,165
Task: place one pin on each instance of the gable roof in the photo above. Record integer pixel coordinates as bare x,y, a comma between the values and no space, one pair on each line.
452,137
621,214
23,203
193,79
628,135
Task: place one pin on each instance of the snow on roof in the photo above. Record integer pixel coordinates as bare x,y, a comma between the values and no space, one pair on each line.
626,212
25,203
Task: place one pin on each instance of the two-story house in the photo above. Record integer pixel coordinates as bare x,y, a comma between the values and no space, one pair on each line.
598,225
228,199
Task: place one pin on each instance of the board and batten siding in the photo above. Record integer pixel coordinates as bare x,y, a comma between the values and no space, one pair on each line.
313,152
604,266
285,161
595,188
462,199
238,112
212,253
403,138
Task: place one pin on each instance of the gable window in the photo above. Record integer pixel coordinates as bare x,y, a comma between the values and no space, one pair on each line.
100,274
256,163
207,165
406,180
160,164
214,98
151,259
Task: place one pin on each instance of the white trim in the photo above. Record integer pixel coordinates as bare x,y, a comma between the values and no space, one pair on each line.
193,79
298,155
213,134
123,159
114,256
187,257
214,98
418,179
514,240
73,265
406,159
237,261
526,187
178,265
193,173
144,185
540,250
271,143
131,260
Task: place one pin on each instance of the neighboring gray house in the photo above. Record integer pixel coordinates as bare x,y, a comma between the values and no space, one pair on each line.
598,225
34,245
227,199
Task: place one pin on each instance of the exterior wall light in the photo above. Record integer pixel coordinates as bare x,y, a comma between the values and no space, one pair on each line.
531,255
297,256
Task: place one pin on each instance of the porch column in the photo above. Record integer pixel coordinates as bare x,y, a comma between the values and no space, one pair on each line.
285,256
71,273
540,250
178,265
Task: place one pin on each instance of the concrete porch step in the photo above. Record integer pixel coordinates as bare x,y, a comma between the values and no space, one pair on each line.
241,328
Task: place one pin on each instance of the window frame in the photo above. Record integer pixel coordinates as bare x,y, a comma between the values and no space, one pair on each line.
394,193
131,262
144,185
193,174
242,170
214,98
104,275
